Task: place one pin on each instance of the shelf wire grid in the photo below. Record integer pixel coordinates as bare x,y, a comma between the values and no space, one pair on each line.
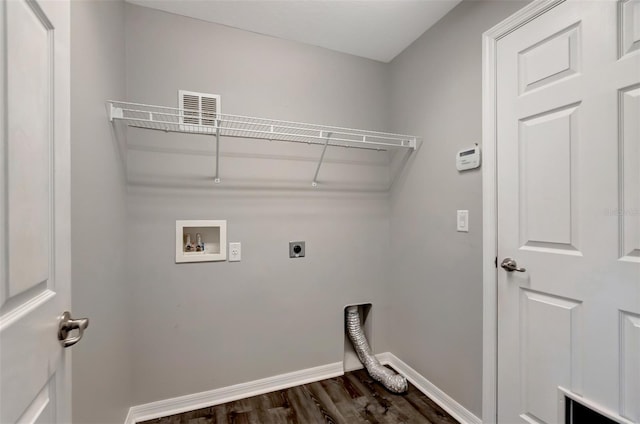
191,121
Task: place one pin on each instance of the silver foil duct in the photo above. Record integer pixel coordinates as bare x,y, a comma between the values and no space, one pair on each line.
389,379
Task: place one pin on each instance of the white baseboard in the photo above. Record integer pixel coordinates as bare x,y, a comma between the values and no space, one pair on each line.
222,395
445,401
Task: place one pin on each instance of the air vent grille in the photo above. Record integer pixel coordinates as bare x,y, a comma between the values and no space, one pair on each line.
198,108
191,106
209,107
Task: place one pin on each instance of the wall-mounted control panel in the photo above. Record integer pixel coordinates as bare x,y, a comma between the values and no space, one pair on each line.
296,249
468,158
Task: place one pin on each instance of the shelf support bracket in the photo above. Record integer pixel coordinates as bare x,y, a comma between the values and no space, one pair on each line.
216,179
114,112
413,143
314,183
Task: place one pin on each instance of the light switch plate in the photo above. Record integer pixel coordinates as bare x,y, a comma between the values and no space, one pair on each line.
235,252
463,221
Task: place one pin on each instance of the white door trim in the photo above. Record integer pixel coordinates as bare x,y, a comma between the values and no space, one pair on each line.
489,200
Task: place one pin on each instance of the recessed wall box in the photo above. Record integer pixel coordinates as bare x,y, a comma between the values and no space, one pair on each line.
468,158
211,245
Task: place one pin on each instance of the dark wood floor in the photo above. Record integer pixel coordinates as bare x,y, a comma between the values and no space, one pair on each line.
350,399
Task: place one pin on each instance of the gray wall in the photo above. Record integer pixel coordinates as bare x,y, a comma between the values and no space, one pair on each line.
436,290
101,362
203,326
208,325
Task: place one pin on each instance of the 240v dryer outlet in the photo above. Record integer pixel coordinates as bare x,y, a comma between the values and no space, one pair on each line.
296,249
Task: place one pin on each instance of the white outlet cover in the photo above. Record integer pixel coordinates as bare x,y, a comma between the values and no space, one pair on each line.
235,252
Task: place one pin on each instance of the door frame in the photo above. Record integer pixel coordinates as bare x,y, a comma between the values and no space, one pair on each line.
490,198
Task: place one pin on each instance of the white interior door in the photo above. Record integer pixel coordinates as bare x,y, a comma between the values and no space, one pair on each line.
35,242
568,160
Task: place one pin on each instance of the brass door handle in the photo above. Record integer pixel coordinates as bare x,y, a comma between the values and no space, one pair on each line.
510,265
66,325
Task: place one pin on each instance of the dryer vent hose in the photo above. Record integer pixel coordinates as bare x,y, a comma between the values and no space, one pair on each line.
389,379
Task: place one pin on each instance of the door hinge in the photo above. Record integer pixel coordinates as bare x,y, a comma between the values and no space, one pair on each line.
496,262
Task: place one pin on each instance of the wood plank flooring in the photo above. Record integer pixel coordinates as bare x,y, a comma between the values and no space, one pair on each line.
349,399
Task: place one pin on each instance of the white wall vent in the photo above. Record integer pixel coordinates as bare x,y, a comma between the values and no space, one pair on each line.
198,108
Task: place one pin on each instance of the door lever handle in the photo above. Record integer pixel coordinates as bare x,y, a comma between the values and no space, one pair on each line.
510,265
66,325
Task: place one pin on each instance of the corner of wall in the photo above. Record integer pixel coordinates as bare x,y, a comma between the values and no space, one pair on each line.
101,366
436,87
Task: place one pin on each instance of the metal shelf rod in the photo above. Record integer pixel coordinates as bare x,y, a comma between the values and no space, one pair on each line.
314,183
216,179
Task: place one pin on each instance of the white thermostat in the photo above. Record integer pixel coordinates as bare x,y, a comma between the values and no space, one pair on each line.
468,158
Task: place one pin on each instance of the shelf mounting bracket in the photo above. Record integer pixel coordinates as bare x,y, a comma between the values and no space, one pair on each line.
314,183
114,112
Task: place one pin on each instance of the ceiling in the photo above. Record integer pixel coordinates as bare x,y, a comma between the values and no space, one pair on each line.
374,29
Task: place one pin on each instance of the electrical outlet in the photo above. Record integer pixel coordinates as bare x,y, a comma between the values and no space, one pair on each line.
235,252
296,249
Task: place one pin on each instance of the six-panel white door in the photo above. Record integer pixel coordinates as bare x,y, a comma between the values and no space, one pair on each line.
568,154
34,210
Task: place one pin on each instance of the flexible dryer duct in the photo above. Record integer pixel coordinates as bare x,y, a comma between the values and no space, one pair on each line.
389,379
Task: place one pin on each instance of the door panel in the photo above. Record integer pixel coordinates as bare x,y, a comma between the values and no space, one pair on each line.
42,408
550,60
35,289
629,210
568,188
630,365
547,152
29,52
629,26
548,320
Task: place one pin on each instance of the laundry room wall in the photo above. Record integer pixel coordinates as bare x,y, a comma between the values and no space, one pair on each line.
208,325
101,369
436,289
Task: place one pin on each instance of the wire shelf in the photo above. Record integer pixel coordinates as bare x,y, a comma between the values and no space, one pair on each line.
197,122
191,121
